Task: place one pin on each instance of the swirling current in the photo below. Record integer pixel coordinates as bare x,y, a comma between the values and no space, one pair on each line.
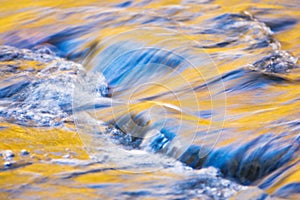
150,99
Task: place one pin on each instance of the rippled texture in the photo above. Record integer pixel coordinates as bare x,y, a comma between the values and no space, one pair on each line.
230,99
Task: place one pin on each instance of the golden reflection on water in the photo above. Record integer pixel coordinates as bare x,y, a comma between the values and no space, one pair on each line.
44,144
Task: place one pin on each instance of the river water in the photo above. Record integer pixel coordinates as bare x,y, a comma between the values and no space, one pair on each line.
150,99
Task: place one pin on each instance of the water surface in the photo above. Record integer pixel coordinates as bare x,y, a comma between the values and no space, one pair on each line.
166,90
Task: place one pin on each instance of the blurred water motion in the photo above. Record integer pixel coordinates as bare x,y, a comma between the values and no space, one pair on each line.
206,83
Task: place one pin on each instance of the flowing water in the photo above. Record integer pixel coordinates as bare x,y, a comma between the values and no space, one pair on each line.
190,99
